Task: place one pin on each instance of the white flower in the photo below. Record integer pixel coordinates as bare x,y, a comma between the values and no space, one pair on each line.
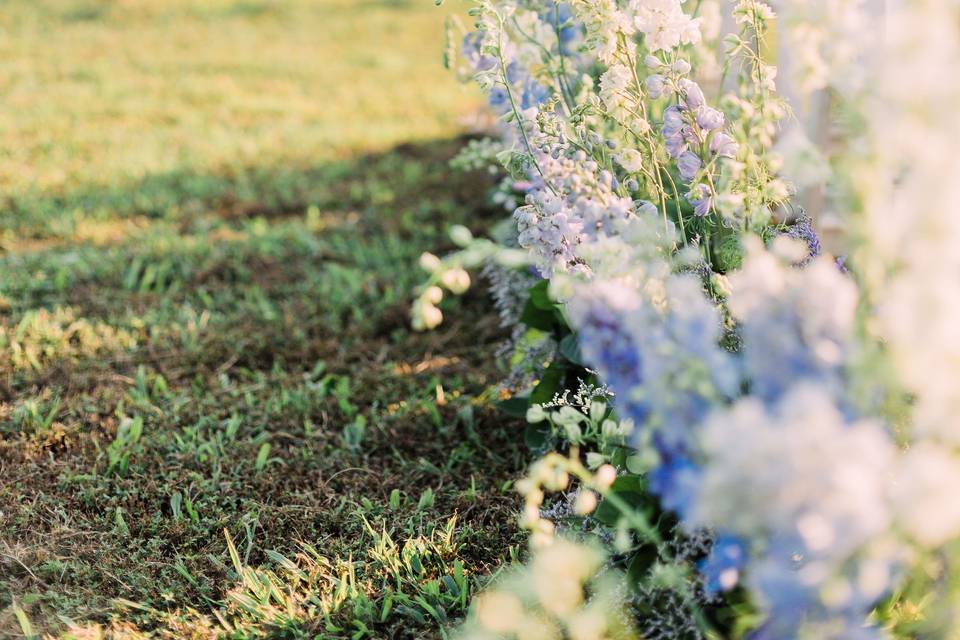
798,470
664,24
926,494
613,85
631,160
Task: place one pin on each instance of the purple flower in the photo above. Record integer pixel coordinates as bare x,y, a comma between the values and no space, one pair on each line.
690,134
692,94
676,145
723,145
672,121
655,86
803,230
701,199
471,51
709,118
689,164
607,344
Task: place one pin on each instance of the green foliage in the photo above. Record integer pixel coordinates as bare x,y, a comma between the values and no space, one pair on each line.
124,445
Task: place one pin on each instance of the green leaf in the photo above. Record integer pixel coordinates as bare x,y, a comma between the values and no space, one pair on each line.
262,457
641,563
540,296
631,490
515,407
570,349
550,383
537,436
537,318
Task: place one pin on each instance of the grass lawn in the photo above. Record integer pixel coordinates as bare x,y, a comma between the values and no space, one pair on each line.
214,419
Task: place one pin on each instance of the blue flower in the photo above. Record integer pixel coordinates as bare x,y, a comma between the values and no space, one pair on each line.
534,94
721,569
672,121
676,481
608,346
499,99
561,16
516,74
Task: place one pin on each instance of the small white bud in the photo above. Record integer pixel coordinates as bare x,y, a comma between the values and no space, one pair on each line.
456,280
433,295
585,503
460,235
429,262
431,316
606,475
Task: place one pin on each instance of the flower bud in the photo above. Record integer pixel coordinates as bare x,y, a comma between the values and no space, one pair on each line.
456,280
647,208
606,475
460,235
429,262
721,284
433,295
431,316
585,503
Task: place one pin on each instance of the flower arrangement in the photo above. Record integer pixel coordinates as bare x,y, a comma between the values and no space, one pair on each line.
763,437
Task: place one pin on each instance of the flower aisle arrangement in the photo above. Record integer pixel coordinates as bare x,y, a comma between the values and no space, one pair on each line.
739,435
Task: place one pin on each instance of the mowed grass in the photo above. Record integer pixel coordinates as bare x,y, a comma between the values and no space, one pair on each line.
161,106
214,418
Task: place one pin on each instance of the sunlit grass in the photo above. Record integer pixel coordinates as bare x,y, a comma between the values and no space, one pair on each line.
118,104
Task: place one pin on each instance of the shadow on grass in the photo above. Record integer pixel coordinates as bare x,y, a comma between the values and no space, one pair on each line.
239,281
229,362
241,191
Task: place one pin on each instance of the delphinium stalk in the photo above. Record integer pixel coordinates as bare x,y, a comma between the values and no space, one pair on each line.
740,369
